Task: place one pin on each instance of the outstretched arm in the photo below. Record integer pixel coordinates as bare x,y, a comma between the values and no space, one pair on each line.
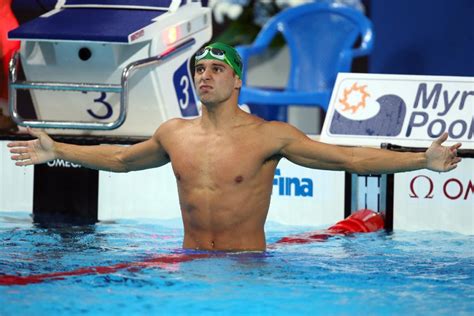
300,149
143,155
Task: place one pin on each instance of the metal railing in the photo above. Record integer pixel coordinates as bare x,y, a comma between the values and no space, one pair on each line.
122,88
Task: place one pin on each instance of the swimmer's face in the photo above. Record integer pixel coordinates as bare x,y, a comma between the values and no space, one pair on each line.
215,81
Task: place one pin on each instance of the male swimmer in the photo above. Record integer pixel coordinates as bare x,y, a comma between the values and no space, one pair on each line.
224,161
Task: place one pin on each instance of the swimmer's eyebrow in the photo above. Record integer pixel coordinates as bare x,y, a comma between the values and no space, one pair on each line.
222,65
219,65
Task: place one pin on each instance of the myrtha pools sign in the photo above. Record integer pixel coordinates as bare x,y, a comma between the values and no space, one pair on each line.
370,109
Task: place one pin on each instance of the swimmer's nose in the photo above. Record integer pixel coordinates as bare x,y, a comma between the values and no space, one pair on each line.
207,74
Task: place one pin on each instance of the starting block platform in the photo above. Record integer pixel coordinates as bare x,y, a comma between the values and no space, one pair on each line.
104,69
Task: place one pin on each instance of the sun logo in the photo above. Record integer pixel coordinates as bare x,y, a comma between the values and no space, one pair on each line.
348,99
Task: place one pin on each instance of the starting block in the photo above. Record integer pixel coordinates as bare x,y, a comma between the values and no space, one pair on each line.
109,69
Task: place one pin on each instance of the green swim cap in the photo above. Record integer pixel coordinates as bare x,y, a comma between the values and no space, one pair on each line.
222,52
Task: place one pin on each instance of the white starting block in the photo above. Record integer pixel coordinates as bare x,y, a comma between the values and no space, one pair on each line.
119,69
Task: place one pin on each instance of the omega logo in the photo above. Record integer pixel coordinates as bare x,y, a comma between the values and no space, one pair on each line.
453,188
62,163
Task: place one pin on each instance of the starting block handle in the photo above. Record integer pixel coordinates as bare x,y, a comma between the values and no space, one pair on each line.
122,88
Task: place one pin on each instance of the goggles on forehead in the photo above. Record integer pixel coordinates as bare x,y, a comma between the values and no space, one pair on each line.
215,52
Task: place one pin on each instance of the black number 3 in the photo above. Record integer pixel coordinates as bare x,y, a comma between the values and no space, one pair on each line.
107,105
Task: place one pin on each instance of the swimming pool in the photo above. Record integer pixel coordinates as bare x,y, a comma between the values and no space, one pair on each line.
377,273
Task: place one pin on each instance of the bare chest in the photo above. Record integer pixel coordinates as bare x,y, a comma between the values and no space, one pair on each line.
217,160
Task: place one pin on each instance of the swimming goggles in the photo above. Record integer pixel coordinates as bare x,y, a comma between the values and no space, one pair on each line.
228,56
215,52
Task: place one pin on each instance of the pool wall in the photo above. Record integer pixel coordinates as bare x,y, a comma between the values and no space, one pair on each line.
422,200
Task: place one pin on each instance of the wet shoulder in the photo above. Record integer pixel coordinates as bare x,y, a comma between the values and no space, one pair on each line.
174,126
278,134
178,123
275,128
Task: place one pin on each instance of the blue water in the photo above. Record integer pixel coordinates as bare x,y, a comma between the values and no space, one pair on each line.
402,273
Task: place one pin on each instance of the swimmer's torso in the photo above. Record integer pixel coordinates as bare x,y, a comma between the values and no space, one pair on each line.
224,183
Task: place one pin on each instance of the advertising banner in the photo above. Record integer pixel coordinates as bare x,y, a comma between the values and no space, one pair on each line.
426,200
306,197
371,109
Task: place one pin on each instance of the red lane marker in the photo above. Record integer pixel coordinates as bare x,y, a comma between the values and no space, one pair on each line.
362,221
161,261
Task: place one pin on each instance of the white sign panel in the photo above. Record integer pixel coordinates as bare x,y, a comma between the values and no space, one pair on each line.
306,197
370,109
148,193
16,184
426,200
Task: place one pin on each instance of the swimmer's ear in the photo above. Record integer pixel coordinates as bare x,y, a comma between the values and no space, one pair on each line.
238,82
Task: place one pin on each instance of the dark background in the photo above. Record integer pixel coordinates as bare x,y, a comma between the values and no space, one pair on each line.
422,37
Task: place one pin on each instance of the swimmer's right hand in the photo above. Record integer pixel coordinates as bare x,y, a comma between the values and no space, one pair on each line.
34,151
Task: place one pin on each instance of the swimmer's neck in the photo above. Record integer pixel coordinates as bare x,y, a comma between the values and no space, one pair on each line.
220,116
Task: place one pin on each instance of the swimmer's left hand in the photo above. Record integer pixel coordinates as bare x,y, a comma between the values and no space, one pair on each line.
441,158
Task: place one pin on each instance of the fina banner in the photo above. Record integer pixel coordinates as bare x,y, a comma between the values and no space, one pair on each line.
406,110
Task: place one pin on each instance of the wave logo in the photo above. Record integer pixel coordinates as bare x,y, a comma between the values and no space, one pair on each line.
357,114
292,186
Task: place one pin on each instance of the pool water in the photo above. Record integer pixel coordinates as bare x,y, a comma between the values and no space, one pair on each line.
401,273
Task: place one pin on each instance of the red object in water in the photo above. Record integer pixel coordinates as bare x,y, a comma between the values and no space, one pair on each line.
7,47
362,221
159,261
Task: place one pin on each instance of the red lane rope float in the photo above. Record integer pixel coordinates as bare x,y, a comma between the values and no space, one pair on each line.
159,261
362,221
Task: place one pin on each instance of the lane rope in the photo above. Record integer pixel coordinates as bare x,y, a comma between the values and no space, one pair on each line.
361,221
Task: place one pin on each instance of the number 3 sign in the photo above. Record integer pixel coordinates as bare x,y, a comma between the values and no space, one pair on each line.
183,86
101,101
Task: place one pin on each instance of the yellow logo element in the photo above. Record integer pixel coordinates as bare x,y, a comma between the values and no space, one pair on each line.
361,102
